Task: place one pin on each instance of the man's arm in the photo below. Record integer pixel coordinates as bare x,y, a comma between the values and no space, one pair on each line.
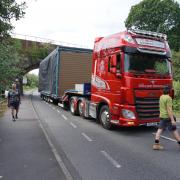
170,111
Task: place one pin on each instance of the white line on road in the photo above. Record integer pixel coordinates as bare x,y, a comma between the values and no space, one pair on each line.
1,177
167,138
87,137
64,116
55,152
54,108
108,157
58,111
73,125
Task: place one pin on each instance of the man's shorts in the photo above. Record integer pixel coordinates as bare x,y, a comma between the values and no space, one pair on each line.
166,123
15,105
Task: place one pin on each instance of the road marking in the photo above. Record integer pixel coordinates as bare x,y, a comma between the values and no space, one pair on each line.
108,157
1,177
167,138
64,116
87,137
55,152
58,111
73,125
54,108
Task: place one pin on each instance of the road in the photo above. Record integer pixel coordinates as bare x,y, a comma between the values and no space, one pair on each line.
84,150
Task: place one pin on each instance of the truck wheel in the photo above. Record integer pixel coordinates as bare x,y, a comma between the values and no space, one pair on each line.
72,107
104,117
80,108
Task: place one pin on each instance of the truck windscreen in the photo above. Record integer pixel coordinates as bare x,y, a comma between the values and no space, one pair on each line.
147,63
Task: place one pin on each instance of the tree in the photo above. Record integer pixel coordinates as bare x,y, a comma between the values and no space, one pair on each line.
8,60
32,80
9,9
157,15
176,65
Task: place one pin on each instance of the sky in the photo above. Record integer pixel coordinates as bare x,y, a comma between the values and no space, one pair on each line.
73,22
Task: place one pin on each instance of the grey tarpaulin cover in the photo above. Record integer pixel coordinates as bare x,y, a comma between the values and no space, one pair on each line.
45,74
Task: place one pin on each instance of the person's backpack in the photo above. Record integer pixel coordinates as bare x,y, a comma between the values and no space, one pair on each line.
14,97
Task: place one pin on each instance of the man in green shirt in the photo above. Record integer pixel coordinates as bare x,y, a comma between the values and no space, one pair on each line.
167,120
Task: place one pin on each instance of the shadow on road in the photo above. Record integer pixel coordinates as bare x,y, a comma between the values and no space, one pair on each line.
130,131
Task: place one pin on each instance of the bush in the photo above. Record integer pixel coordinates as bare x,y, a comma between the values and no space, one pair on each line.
176,101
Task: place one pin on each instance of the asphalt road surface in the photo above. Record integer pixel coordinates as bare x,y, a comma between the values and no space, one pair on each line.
47,142
84,150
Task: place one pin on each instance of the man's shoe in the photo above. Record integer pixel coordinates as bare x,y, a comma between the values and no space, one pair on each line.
158,147
13,118
16,116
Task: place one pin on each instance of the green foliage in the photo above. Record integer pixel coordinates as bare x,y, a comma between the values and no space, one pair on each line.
36,52
176,101
176,65
176,86
157,15
32,80
8,60
9,9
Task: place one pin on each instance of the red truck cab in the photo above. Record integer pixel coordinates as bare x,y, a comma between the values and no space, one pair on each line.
129,70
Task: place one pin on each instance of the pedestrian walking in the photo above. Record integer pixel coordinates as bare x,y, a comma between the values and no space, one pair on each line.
14,101
167,119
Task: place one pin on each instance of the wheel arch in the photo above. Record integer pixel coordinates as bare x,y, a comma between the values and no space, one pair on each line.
100,105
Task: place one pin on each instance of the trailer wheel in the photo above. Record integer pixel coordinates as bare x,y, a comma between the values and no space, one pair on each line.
80,108
73,110
104,117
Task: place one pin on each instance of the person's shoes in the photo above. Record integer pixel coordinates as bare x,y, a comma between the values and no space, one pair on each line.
16,116
157,146
13,118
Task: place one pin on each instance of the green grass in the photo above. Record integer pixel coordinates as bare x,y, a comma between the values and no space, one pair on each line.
3,107
27,88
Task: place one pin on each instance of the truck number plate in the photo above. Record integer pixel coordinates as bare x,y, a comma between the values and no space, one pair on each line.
152,124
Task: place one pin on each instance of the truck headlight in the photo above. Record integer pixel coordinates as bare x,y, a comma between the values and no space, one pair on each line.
128,114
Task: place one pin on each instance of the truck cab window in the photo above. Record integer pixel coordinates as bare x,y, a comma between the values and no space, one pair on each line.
146,63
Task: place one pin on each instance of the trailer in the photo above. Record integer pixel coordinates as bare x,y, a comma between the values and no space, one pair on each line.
118,83
63,68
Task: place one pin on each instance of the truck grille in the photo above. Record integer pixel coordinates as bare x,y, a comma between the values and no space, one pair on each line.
147,108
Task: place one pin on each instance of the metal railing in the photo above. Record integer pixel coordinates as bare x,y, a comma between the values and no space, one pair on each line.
46,40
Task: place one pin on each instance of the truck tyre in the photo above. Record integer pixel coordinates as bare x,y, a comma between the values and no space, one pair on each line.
73,110
65,106
80,108
104,117
55,101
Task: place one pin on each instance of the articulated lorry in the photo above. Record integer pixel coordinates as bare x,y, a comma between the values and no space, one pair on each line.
118,83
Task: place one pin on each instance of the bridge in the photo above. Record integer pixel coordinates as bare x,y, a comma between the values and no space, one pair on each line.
33,50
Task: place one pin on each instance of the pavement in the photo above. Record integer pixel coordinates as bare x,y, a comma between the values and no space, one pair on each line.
24,151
